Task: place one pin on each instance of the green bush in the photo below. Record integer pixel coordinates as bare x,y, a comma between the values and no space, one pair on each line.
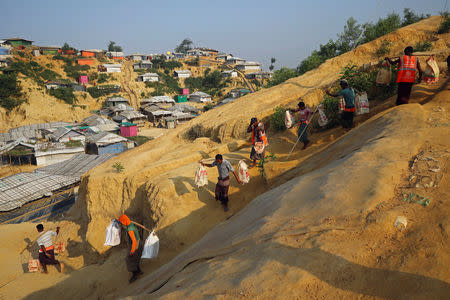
385,48
65,93
102,90
139,139
277,119
445,25
361,81
10,91
103,78
34,71
423,46
281,75
331,109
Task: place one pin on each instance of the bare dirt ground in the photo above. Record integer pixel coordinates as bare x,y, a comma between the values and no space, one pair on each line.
321,223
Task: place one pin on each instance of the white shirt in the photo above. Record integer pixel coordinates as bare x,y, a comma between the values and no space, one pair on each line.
45,239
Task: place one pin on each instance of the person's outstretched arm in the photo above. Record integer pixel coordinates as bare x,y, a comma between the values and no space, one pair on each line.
206,165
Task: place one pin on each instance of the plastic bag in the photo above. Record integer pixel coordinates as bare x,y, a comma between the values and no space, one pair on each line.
384,75
323,120
431,74
33,265
243,175
362,104
259,147
112,235
151,246
288,120
201,176
341,104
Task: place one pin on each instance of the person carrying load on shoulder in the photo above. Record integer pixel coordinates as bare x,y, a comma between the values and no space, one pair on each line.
259,140
406,76
304,114
223,184
349,99
46,248
133,258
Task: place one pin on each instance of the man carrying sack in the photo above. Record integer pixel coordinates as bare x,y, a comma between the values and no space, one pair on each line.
46,248
133,258
224,167
406,76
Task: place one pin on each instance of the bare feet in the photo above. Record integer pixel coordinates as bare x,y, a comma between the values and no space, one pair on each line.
306,144
61,265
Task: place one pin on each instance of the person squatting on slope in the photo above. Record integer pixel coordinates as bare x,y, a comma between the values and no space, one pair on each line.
406,76
46,248
304,114
223,184
133,258
258,136
349,99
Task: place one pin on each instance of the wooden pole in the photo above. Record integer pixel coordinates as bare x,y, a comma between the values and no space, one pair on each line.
142,226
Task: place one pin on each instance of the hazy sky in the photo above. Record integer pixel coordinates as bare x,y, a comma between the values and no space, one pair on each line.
252,29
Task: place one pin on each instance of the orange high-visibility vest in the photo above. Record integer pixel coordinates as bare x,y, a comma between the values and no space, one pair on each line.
407,69
262,135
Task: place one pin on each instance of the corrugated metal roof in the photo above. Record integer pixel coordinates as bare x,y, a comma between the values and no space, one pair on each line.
160,99
76,166
106,138
18,189
201,94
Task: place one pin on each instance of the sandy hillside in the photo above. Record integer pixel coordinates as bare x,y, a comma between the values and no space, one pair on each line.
157,188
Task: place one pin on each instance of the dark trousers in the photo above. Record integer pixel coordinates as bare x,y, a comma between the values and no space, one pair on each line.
304,136
347,119
221,192
47,260
133,262
404,92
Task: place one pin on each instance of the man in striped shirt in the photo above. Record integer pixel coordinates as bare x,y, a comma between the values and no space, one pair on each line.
46,248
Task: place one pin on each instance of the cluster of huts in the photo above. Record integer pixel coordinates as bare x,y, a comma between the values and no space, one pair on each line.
49,143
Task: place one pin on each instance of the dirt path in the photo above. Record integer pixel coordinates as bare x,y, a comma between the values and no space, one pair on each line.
125,81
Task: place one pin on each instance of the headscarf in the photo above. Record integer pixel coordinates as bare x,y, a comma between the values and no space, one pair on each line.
124,220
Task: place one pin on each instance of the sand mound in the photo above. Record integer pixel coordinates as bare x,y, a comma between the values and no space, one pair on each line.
157,189
330,233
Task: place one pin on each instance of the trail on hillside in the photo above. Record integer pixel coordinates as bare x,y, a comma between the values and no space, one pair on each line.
157,189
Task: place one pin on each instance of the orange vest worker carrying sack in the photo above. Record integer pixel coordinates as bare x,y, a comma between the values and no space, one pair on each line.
407,69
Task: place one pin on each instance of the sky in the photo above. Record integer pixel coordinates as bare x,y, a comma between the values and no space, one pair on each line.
252,29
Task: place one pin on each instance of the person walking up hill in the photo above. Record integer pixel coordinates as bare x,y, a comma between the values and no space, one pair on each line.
223,184
406,76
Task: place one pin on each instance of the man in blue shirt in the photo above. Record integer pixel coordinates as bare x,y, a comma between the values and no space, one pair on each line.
224,167
349,99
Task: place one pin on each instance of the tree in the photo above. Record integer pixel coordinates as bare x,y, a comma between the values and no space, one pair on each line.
184,46
309,63
113,48
66,47
349,39
382,27
272,61
281,75
410,17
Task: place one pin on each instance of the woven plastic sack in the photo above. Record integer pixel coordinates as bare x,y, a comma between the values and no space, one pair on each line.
323,120
362,104
431,74
201,176
288,120
243,175
151,246
33,265
259,147
384,75
112,234
60,247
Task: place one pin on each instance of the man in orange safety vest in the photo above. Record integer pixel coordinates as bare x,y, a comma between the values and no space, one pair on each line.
406,76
